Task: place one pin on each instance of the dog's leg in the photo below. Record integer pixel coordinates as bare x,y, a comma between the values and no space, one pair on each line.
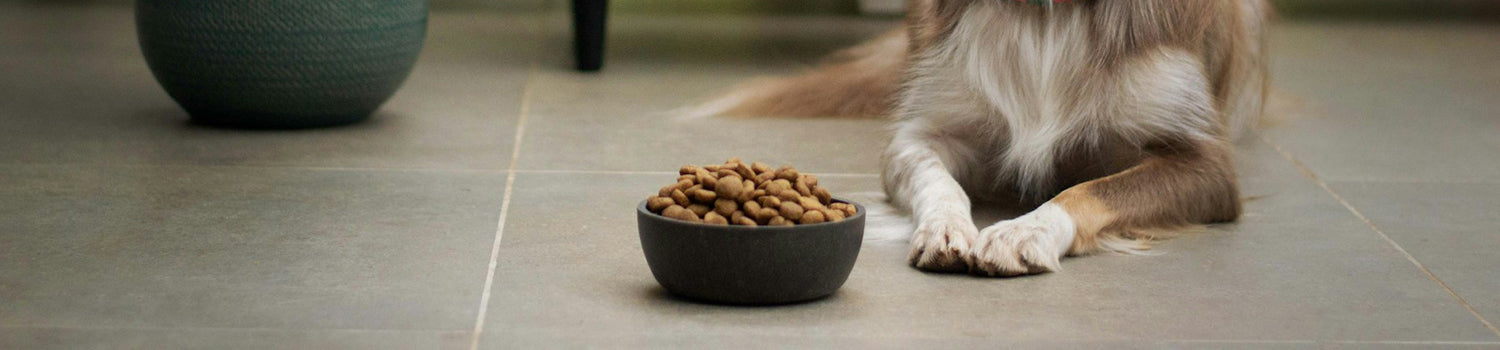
1179,185
917,177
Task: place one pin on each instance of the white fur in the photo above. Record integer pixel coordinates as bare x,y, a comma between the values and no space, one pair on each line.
945,227
1032,243
991,109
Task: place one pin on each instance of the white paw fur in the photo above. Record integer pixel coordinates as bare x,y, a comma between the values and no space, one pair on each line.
1030,244
942,243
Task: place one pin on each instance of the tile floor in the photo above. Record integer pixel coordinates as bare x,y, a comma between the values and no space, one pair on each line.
123,226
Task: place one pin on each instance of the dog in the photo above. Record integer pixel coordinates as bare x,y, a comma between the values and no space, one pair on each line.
1114,118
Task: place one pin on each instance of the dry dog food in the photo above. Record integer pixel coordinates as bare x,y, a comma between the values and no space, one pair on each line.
742,194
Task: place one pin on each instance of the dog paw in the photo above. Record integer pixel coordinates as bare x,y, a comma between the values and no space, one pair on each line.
942,244
1031,244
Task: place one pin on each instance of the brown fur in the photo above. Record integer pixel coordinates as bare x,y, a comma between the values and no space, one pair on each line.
857,82
928,21
1174,188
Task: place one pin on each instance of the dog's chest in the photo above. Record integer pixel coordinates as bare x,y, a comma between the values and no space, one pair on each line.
1032,76
1028,75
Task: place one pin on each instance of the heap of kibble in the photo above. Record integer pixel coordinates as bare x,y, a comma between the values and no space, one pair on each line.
747,195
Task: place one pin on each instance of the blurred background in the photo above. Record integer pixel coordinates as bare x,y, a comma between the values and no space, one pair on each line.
1373,220
1488,10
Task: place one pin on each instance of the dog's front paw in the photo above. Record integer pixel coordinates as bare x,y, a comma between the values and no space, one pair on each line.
942,244
1031,244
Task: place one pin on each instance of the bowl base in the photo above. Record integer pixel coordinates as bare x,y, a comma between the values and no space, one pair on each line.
748,302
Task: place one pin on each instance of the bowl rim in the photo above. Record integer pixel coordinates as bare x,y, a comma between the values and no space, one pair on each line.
641,209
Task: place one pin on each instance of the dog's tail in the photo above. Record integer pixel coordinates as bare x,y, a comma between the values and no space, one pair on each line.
860,81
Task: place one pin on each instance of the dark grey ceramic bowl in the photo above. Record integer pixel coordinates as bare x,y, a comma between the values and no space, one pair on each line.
280,63
750,265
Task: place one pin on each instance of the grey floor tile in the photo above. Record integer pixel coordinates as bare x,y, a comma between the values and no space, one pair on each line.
201,338
1434,48
100,103
1390,102
646,142
237,247
1298,268
1450,228
625,118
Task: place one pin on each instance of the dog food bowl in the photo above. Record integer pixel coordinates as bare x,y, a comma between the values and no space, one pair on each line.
762,265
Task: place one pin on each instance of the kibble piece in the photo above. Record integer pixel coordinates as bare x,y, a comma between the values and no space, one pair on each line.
833,215
812,180
760,214
766,214
706,179
802,188
762,178
744,221
680,198
711,168
810,203
812,217
745,195
788,196
699,209
657,203
744,171
730,187
760,167
769,201
823,195
704,196
687,170
725,206
780,221
751,207
787,173
688,178
791,211
758,193
713,218
776,186
666,191
726,171
849,210
680,213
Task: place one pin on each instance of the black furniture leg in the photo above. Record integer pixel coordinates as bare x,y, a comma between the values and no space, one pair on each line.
588,33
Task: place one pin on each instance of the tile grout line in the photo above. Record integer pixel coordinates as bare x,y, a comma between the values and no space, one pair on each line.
510,181
1350,207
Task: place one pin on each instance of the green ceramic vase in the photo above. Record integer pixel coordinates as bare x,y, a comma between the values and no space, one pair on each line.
281,63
